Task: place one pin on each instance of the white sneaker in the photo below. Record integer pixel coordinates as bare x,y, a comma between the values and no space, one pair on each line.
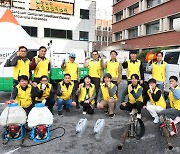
139,116
176,120
84,112
133,112
156,120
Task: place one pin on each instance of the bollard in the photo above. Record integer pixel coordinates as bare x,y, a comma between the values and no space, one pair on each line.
81,127
98,128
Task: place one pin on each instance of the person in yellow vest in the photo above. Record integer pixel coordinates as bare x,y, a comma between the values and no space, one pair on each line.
114,68
71,67
156,103
133,66
86,94
46,93
40,64
159,70
21,65
135,99
24,94
174,99
95,66
107,98
65,94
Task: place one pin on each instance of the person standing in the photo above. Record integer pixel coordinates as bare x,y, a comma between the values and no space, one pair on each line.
21,65
159,71
133,66
46,93
114,68
71,67
86,94
95,70
40,64
107,98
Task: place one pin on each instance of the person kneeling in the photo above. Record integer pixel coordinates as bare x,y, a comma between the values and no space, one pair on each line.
107,98
86,94
174,99
46,93
65,94
135,99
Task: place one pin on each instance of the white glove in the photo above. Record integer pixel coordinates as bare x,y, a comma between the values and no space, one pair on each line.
44,101
151,89
43,86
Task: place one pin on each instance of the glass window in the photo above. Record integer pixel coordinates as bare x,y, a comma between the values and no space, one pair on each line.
151,3
134,9
119,16
118,36
171,20
84,14
172,57
152,28
83,36
133,32
32,31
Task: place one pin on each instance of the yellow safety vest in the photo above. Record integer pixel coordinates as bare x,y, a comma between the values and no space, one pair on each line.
41,68
82,94
67,92
105,92
175,103
113,68
23,97
46,92
95,68
132,100
161,102
133,68
72,69
22,68
159,71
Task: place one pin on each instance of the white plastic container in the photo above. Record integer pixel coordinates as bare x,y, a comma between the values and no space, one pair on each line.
81,127
39,114
13,114
99,127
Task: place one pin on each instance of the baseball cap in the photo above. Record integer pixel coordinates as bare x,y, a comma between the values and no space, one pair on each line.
72,55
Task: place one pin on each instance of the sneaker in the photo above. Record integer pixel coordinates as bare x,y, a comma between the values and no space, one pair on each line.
77,106
106,112
133,112
156,120
67,110
111,115
59,112
139,116
176,120
84,112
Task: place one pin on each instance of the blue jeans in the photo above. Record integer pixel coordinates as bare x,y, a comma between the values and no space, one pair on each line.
161,86
66,103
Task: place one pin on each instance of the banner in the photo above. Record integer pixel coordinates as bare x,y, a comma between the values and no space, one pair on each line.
52,6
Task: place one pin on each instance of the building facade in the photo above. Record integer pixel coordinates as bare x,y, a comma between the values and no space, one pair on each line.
145,24
70,24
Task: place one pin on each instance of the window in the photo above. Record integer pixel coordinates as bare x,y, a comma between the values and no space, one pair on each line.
84,14
110,39
99,28
83,36
119,16
105,28
152,28
172,57
134,9
133,32
171,20
109,29
151,3
32,31
57,33
118,36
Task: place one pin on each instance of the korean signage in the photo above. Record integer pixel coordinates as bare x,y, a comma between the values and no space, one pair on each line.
52,6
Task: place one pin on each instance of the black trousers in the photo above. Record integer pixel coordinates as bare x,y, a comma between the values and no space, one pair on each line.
49,103
87,108
138,105
96,82
76,85
28,109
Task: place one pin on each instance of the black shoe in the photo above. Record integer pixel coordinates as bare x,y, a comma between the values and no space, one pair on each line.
111,115
67,110
59,112
77,106
106,112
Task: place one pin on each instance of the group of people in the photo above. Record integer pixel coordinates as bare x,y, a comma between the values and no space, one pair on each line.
97,89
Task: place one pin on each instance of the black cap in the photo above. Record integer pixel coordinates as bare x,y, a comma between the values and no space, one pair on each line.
133,52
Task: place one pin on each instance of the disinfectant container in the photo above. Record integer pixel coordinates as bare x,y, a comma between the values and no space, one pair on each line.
39,114
13,114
